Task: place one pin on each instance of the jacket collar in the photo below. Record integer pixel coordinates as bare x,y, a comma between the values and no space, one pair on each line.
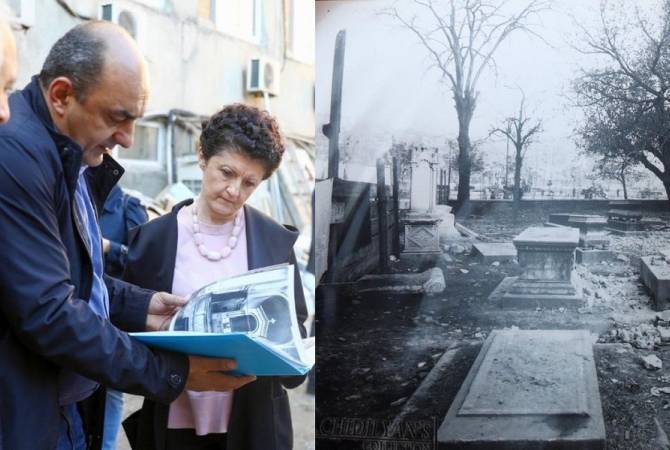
69,151
101,178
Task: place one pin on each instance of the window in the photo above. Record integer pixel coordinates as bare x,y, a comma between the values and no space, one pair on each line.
256,19
300,29
146,144
106,12
194,185
185,142
111,12
241,18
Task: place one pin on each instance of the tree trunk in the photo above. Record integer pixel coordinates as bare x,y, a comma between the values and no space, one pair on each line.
517,182
464,161
625,192
464,168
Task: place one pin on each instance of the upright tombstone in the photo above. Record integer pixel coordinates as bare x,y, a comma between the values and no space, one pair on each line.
529,389
422,238
547,257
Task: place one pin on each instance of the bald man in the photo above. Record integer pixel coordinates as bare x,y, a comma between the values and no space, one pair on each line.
59,313
7,67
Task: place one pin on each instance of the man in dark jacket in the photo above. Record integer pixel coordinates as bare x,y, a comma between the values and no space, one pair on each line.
57,341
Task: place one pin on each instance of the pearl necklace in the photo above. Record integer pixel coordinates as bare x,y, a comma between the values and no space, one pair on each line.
199,242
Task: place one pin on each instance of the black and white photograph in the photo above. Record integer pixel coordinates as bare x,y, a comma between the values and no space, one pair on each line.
492,238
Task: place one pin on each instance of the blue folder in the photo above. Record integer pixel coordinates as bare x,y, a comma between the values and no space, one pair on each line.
253,357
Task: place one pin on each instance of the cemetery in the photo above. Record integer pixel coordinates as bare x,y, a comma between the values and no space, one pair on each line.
416,352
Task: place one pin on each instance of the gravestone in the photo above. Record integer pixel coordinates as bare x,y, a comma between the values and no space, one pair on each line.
495,251
423,188
593,239
547,257
530,389
591,230
421,223
430,281
447,226
624,217
559,219
421,234
655,274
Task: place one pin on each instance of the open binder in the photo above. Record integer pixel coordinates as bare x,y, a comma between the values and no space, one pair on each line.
250,318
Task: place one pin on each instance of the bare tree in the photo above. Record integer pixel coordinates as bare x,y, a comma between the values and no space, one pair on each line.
461,37
627,104
621,168
521,131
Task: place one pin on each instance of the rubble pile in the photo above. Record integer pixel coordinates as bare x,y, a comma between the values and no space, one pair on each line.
619,293
644,336
643,245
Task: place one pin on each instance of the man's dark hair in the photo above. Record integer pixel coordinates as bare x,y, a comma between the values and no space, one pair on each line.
80,56
245,129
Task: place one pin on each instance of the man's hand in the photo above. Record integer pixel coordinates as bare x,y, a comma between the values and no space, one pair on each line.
208,374
161,309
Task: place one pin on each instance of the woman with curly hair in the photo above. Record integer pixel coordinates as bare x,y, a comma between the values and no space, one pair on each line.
204,240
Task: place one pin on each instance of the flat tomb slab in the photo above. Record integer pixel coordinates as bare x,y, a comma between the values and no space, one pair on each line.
555,237
530,389
430,281
655,274
516,293
490,252
559,218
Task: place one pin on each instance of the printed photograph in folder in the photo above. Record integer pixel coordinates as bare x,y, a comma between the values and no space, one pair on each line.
250,318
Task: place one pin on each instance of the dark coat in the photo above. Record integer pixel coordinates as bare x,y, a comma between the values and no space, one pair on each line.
260,418
46,326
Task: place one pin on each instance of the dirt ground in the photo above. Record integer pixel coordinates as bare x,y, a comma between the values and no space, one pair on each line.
386,357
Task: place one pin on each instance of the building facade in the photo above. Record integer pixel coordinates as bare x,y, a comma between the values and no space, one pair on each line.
201,54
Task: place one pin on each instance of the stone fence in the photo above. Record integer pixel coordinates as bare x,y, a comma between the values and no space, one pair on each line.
542,208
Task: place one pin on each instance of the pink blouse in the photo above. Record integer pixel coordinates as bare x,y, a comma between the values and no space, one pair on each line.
206,412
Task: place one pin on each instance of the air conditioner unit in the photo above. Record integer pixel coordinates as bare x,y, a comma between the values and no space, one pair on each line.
263,76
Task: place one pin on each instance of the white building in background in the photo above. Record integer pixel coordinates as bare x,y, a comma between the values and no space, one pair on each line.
202,54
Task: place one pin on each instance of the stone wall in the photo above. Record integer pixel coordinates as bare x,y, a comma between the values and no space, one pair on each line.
540,209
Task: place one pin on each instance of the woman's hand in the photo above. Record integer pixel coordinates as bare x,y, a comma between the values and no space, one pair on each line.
161,309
